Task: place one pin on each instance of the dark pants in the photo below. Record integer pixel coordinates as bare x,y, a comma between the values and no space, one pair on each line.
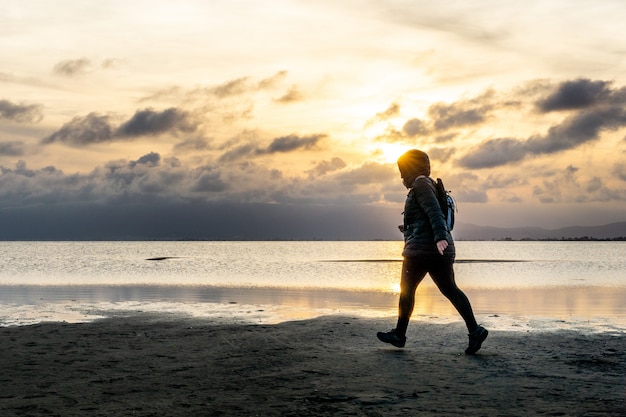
441,270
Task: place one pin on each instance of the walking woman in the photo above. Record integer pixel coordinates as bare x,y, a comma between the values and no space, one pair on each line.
428,248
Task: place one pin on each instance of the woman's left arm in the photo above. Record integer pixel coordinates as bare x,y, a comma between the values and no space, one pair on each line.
427,199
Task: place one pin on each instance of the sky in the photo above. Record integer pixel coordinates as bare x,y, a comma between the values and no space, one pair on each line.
207,116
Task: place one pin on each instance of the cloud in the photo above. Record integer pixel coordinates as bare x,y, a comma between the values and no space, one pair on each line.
293,94
325,167
583,127
576,94
150,159
443,118
445,137
93,128
22,113
171,93
272,81
149,122
501,181
471,196
493,153
11,148
415,127
22,186
459,114
368,173
291,143
594,108
231,88
597,109
72,67
208,179
564,186
152,178
392,111
192,145
552,184
96,128
364,184
239,152
392,135
282,144
110,63
619,171
441,154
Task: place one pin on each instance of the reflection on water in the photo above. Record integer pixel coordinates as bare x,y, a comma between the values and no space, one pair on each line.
279,304
274,281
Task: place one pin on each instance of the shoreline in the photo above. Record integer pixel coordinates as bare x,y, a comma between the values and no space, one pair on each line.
247,314
162,364
593,309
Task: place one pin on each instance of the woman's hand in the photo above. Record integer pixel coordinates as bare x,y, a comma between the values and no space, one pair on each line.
441,246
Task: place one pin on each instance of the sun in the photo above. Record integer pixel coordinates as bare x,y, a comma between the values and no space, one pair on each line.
388,152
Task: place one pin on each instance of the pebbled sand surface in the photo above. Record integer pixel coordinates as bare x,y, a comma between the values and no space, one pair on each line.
151,365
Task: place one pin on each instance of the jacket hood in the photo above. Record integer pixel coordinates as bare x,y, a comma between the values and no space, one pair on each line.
412,164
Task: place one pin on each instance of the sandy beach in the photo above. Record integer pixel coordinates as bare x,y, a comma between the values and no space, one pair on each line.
167,365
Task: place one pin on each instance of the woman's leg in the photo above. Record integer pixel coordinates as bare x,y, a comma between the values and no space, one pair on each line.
442,274
413,272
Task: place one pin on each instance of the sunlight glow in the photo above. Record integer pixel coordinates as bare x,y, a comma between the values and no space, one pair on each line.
388,152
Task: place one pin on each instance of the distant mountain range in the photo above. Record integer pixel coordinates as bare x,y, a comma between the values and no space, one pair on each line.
465,231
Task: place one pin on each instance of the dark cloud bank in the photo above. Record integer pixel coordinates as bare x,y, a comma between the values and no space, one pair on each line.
158,198
231,221
200,220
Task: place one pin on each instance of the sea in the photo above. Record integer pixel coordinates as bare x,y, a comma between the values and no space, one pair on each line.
512,285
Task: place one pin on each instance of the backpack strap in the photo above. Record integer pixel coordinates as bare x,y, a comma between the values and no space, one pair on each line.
432,182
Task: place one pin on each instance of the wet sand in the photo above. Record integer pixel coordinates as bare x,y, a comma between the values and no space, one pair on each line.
160,365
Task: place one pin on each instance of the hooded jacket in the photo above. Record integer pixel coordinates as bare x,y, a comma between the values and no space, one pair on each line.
424,223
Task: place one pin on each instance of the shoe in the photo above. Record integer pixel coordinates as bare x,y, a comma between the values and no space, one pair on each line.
476,339
392,337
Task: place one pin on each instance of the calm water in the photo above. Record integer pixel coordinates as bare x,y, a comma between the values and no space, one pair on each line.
582,281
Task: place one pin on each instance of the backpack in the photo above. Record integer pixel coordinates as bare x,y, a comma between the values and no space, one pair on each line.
447,203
